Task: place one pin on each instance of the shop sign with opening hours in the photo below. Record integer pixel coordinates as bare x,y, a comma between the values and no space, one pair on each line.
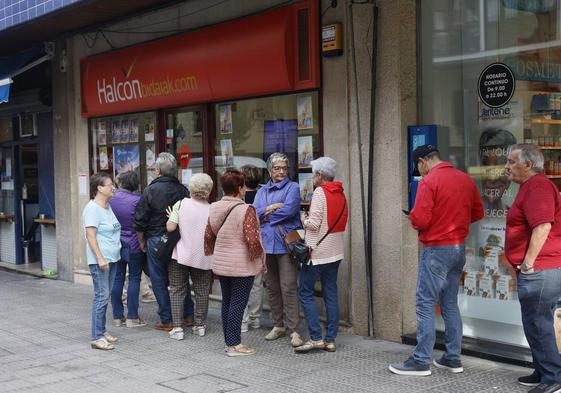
496,85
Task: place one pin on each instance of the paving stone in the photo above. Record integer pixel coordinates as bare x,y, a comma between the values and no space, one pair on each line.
54,355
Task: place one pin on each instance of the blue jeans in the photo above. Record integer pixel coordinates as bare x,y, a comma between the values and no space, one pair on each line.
327,274
102,283
159,277
438,280
538,294
134,262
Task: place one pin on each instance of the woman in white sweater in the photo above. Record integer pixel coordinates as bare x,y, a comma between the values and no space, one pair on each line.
325,228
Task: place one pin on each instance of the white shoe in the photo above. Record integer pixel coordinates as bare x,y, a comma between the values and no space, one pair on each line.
295,340
110,338
199,330
275,333
177,333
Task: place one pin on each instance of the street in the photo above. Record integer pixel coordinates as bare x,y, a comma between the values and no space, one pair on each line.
44,347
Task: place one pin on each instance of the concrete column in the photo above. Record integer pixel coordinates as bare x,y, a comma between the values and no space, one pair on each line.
395,243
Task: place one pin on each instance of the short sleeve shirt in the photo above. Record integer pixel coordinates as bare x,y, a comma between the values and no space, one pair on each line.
174,216
537,202
108,234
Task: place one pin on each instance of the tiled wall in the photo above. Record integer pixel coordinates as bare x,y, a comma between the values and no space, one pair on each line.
13,12
7,242
48,247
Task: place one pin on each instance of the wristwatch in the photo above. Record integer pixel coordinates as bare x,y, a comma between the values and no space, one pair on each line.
525,267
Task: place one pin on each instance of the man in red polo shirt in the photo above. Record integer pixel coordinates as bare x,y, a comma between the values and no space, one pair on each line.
533,247
447,203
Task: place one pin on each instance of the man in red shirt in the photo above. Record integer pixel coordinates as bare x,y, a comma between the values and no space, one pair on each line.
447,203
533,247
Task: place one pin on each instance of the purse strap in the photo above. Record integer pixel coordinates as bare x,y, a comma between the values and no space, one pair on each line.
334,225
225,218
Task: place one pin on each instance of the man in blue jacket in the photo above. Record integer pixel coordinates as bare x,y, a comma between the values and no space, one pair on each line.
278,208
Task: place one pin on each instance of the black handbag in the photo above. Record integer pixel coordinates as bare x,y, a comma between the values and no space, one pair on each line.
164,248
297,247
167,242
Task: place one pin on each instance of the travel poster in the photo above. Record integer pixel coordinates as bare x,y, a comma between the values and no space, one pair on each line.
149,130
116,131
225,112
125,124
280,136
305,151
101,133
103,158
227,152
304,112
306,187
133,130
150,155
126,158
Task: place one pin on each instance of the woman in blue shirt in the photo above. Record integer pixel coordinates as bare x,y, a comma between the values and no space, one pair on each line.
103,235
278,205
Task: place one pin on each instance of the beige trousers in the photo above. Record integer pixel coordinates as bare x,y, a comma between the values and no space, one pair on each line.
281,281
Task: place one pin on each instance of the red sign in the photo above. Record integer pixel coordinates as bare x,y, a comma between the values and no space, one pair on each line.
256,55
184,156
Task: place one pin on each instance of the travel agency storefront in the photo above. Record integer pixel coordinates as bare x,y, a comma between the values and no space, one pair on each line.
490,77
218,97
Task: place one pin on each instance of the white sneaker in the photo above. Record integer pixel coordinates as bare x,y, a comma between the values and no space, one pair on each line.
245,327
199,330
177,333
255,323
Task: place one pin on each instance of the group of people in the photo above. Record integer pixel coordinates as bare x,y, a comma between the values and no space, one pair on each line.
240,239
447,203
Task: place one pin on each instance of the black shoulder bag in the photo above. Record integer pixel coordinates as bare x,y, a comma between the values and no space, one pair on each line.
297,246
167,242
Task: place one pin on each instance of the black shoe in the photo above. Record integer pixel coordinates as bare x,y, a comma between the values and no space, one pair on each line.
410,367
546,388
530,380
454,366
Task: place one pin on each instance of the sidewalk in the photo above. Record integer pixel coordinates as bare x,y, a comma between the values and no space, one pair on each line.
44,347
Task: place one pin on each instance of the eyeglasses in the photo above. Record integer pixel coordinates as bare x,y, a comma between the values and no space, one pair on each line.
108,185
280,169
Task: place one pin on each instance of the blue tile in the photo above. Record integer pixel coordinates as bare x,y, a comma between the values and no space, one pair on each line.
16,19
2,24
32,12
58,4
48,6
24,16
40,9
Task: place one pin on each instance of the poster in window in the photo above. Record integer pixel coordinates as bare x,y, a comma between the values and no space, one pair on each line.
281,136
149,130
126,158
306,187
226,126
103,158
150,175
125,125
102,133
305,151
304,112
116,131
150,155
227,152
133,130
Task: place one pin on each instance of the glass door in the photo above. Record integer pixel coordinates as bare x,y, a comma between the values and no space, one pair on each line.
184,138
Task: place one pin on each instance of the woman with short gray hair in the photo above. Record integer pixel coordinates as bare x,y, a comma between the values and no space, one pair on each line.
278,207
325,227
188,259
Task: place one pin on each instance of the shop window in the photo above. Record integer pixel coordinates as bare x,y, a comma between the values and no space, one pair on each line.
123,143
459,39
7,182
248,131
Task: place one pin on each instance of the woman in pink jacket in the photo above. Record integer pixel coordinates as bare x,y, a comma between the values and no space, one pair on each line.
233,237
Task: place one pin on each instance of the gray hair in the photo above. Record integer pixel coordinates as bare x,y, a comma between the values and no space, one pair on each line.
529,152
276,157
167,164
325,166
200,186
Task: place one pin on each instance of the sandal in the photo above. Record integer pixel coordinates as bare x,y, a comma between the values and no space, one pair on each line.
240,350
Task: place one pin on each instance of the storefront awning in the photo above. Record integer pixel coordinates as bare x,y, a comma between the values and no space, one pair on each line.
11,66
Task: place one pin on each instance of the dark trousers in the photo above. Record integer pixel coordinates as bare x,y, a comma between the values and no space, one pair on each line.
235,294
538,294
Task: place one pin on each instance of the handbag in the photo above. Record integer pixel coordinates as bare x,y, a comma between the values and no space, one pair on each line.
167,242
301,253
